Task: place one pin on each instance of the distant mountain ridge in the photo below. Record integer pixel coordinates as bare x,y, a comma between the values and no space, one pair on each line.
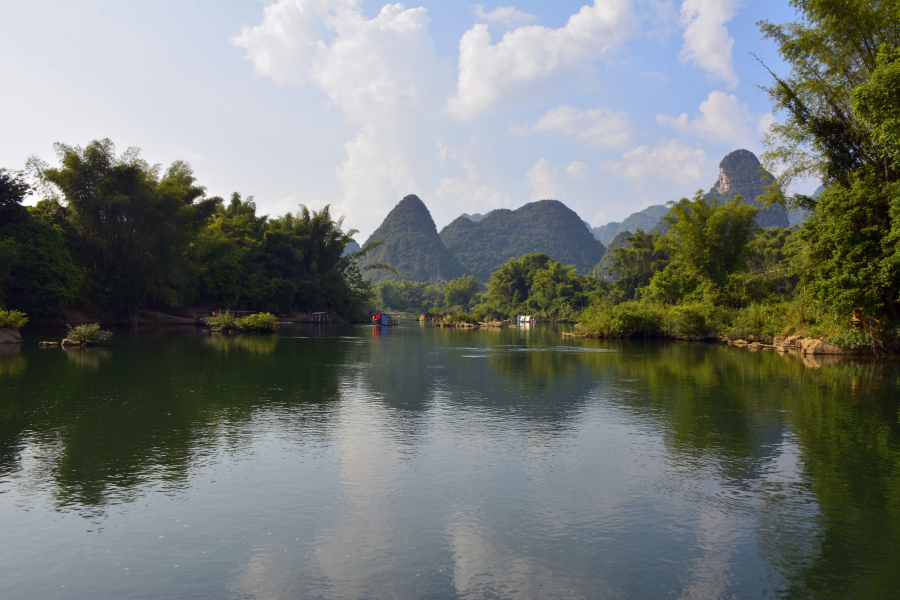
547,226
412,246
645,219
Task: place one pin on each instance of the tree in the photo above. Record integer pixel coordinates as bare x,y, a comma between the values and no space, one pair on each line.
707,239
13,190
461,291
832,49
512,281
132,228
37,274
636,262
841,105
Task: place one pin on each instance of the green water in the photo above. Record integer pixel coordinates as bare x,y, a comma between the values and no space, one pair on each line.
415,462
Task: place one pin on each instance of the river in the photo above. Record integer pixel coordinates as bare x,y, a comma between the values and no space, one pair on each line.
417,462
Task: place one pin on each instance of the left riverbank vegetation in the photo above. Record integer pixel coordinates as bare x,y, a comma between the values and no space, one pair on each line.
112,234
12,319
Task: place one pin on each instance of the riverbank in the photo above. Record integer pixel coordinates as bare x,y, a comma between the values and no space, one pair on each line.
823,332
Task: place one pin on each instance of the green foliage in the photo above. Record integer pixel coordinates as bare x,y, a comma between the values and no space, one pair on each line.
695,321
258,322
462,317
13,190
12,319
462,291
850,257
625,320
832,49
547,226
37,273
877,103
146,238
131,226
636,261
408,296
262,322
707,240
222,322
534,284
88,334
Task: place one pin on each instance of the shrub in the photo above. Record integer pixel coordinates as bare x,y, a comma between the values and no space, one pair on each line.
629,319
12,319
88,334
222,322
694,321
258,322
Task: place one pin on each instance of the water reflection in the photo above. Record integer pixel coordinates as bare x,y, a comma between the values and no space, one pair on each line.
259,344
142,412
11,360
428,462
86,358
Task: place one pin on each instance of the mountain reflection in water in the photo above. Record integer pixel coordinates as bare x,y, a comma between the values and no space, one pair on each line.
418,462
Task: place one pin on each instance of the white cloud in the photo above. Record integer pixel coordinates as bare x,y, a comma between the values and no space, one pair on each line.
706,39
556,182
480,189
508,15
723,119
382,73
527,57
597,126
670,160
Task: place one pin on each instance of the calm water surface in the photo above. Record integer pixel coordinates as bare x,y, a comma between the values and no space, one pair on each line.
416,462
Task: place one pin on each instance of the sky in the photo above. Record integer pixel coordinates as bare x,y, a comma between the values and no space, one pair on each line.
609,107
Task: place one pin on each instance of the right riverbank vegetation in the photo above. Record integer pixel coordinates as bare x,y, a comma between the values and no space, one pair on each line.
113,234
710,270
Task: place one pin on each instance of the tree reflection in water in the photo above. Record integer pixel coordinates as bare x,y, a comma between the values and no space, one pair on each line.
797,463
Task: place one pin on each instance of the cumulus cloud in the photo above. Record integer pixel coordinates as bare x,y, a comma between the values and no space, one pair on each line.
555,181
527,57
706,39
382,73
723,119
480,189
597,126
508,15
668,160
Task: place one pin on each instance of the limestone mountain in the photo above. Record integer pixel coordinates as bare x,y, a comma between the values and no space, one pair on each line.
547,226
645,219
412,246
741,173
476,217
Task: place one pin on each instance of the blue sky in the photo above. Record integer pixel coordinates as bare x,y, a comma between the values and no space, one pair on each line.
609,107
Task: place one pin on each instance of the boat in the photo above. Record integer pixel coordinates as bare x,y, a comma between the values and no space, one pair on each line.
385,318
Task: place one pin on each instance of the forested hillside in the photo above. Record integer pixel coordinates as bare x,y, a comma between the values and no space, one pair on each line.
605,265
645,219
546,226
412,246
